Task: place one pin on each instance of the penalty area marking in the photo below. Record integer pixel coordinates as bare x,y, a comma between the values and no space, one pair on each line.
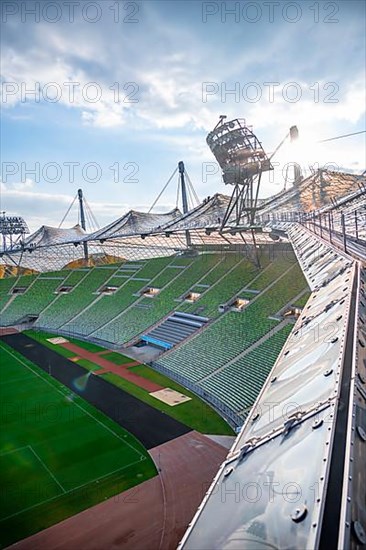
39,460
75,403
47,469
74,489
14,450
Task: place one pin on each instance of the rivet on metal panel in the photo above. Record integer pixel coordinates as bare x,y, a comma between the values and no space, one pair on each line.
299,514
359,532
361,432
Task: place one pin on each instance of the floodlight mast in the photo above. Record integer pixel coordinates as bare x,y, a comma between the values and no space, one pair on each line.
243,160
11,226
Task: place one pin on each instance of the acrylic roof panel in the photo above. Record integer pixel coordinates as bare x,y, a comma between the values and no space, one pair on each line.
314,192
48,236
136,223
208,214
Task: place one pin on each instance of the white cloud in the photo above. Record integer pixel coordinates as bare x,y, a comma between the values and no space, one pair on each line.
23,185
40,208
169,67
169,62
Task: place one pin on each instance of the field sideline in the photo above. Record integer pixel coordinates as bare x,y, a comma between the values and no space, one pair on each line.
58,454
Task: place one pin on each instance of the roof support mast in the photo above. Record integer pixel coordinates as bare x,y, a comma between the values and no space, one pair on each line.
82,221
184,198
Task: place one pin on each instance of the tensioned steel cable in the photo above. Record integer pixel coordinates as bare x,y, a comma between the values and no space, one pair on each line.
339,137
193,189
162,191
67,212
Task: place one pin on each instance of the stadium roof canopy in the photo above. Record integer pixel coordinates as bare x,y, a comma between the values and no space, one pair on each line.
319,190
135,223
138,235
49,236
316,191
208,214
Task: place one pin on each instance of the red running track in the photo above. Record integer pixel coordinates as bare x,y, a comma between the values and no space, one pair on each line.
108,366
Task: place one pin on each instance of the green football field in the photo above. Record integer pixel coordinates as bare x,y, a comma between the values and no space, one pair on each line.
58,454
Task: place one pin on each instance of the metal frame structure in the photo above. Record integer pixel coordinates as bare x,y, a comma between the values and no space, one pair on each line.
82,221
268,494
181,171
138,235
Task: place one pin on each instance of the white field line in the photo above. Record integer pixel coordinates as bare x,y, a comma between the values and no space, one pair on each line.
74,489
14,450
22,379
47,469
76,404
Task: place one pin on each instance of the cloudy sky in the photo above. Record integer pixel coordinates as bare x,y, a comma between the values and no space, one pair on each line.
109,96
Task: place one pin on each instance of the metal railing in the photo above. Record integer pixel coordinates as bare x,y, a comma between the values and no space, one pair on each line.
343,232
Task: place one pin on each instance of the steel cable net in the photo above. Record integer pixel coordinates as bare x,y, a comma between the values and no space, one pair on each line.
321,189
142,235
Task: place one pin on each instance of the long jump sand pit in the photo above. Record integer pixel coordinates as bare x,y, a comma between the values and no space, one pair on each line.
57,340
170,397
